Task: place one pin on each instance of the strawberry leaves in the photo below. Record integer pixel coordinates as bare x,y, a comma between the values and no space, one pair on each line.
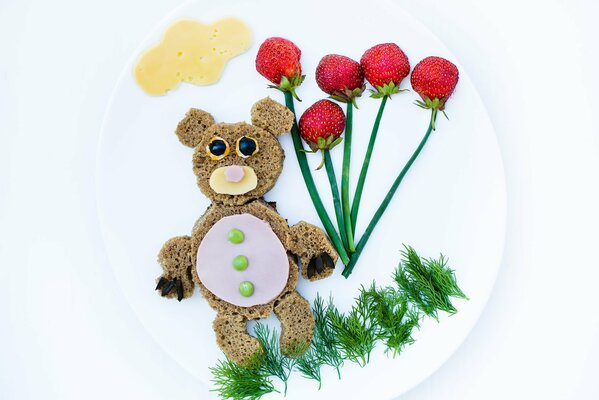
387,89
289,85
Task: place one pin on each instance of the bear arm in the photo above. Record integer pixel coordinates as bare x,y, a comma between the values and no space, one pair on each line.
175,257
314,250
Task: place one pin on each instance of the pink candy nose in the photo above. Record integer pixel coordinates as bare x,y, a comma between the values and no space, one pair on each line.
234,173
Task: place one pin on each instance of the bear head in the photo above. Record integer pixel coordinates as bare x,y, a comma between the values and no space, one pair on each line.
240,162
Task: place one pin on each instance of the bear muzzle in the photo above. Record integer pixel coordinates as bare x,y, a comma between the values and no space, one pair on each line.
233,180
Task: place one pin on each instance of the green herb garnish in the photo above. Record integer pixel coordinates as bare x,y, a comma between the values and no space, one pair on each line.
234,382
274,363
309,365
427,283
356,331
389,314
325,340
395,319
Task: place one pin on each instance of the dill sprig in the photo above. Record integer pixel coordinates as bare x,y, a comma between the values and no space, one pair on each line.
387,314
324,349
309,365
325,337
395,320
274,363
427,283
356,331
234,382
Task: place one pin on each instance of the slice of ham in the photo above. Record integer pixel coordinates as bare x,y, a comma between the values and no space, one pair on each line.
268,268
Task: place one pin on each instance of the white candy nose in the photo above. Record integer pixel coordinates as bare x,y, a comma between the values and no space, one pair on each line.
234,173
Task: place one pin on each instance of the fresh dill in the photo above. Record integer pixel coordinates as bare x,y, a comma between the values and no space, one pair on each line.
427,283
309,365
274,363
388,314
325,337
395,320
356,331
234,382
324,349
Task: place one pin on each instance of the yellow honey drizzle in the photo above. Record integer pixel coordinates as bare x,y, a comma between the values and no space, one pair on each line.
191,51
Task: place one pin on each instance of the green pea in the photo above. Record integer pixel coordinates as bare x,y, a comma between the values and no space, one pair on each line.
235,236
246,289
240,263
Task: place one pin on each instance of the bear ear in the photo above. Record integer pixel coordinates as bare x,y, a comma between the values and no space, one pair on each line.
272,116
192,127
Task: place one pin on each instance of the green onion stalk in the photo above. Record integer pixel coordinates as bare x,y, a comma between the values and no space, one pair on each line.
309,181
365,164
349,231
381,209
328,164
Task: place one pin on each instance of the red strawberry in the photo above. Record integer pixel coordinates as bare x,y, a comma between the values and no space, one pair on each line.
385,66
278,60
321,125
434,79
340,77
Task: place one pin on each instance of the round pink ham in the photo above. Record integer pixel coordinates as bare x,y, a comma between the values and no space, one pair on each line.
268,268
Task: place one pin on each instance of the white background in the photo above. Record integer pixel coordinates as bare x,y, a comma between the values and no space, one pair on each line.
65,329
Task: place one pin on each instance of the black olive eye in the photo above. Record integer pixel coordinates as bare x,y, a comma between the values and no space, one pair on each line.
217,148
246,146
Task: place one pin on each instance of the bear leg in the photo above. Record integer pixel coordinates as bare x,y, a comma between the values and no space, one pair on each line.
233,339
297,324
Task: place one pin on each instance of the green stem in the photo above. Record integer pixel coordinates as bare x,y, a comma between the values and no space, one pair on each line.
345,177
364,171
379,212
309,180
328,164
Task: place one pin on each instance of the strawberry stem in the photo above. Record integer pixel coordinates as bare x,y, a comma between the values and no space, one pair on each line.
365,164
345,177
321,160
309,181
379,212
335,193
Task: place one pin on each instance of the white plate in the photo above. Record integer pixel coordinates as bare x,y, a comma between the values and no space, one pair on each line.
452,201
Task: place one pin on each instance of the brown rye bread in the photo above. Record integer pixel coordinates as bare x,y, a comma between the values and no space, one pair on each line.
304,241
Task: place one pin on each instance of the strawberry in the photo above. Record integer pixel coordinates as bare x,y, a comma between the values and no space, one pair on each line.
278,60
321,126
340,77
385,66
434,79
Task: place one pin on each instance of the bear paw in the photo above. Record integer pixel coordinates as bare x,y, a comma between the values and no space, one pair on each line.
314,250
175,257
